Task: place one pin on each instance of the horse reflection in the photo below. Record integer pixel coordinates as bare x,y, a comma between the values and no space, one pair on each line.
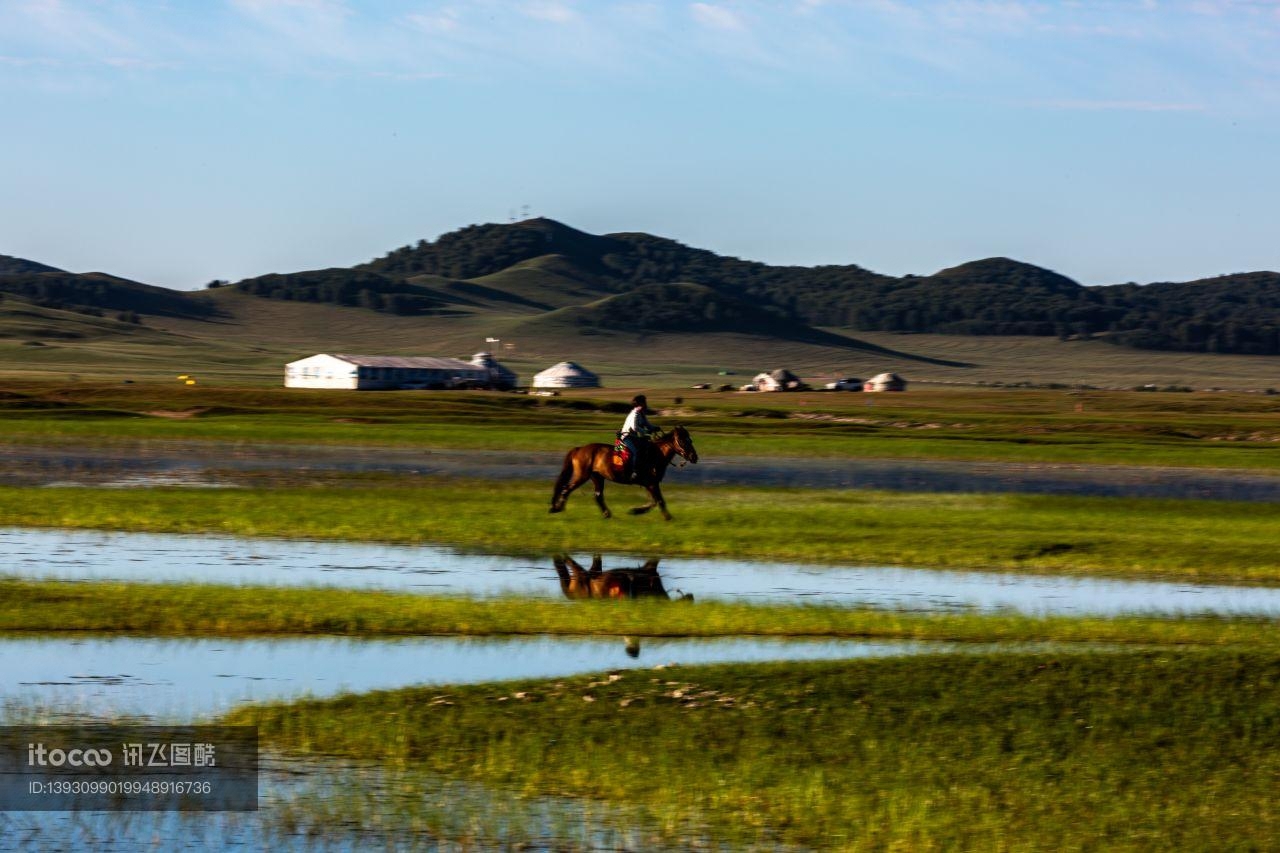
639,582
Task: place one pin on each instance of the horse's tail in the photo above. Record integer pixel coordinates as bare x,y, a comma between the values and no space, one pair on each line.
562,482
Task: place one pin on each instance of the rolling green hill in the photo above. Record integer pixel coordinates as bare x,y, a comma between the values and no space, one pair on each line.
98,293
635,305
540,266
545,265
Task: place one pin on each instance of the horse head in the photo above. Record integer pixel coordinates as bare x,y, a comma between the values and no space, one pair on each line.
683,444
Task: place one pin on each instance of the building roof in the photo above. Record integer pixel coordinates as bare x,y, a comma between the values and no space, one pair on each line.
418,362
566,368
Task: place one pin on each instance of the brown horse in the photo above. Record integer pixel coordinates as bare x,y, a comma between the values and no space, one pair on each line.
597,463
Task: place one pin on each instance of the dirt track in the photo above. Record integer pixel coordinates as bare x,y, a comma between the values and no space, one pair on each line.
202,464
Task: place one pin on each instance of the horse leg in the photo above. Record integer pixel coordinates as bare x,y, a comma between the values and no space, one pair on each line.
562,572
560,491
662,502
569,480
655,493
653,501
598,482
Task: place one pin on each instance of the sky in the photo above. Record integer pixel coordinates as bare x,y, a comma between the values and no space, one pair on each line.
179,142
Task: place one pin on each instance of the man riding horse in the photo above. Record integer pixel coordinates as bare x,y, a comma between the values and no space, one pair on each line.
636,459
633,438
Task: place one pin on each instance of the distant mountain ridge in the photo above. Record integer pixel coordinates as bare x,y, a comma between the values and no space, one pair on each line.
995,296
637,282
95,292
10,265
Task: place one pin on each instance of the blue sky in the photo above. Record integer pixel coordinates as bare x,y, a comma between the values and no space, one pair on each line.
177,142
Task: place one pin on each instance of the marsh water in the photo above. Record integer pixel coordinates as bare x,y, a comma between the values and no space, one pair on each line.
197,464
187,679
333,805
307,805
87,555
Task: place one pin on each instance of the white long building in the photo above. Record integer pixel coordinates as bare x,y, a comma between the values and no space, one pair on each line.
383,372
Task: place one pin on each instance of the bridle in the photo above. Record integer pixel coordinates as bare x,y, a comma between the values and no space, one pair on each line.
676,447
680,449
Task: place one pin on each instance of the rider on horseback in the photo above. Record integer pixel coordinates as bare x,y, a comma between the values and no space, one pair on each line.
634,436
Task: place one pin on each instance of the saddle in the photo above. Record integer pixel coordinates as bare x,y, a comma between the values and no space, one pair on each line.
622,458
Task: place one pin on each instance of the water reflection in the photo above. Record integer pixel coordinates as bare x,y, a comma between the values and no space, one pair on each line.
634,582
94,555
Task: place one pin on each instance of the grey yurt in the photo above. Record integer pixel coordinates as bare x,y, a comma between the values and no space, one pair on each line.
500,378
566,374
778,380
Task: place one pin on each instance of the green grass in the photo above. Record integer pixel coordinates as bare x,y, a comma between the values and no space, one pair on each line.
1185,540
744,439
210,610
252,338
1191,430
1150,750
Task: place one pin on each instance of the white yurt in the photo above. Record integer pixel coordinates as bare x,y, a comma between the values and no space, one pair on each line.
885,382
566,374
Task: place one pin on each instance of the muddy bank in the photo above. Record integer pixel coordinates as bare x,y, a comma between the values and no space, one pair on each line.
196,464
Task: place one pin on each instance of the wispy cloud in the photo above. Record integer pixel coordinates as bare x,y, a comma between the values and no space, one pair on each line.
551,12
442,21
717,17
30,61
132,63
1121,106
1147,55
69,25
309,27
1001,16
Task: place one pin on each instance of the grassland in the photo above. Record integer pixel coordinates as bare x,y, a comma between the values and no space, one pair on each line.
251,339
1150,750
1152,429
1142,749
1186,540
191,610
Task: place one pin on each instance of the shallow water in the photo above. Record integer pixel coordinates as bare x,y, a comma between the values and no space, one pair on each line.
331,805
183,680
204,464
83,555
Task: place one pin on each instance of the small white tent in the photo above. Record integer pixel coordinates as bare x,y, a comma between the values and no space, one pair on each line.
885,382
566,374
